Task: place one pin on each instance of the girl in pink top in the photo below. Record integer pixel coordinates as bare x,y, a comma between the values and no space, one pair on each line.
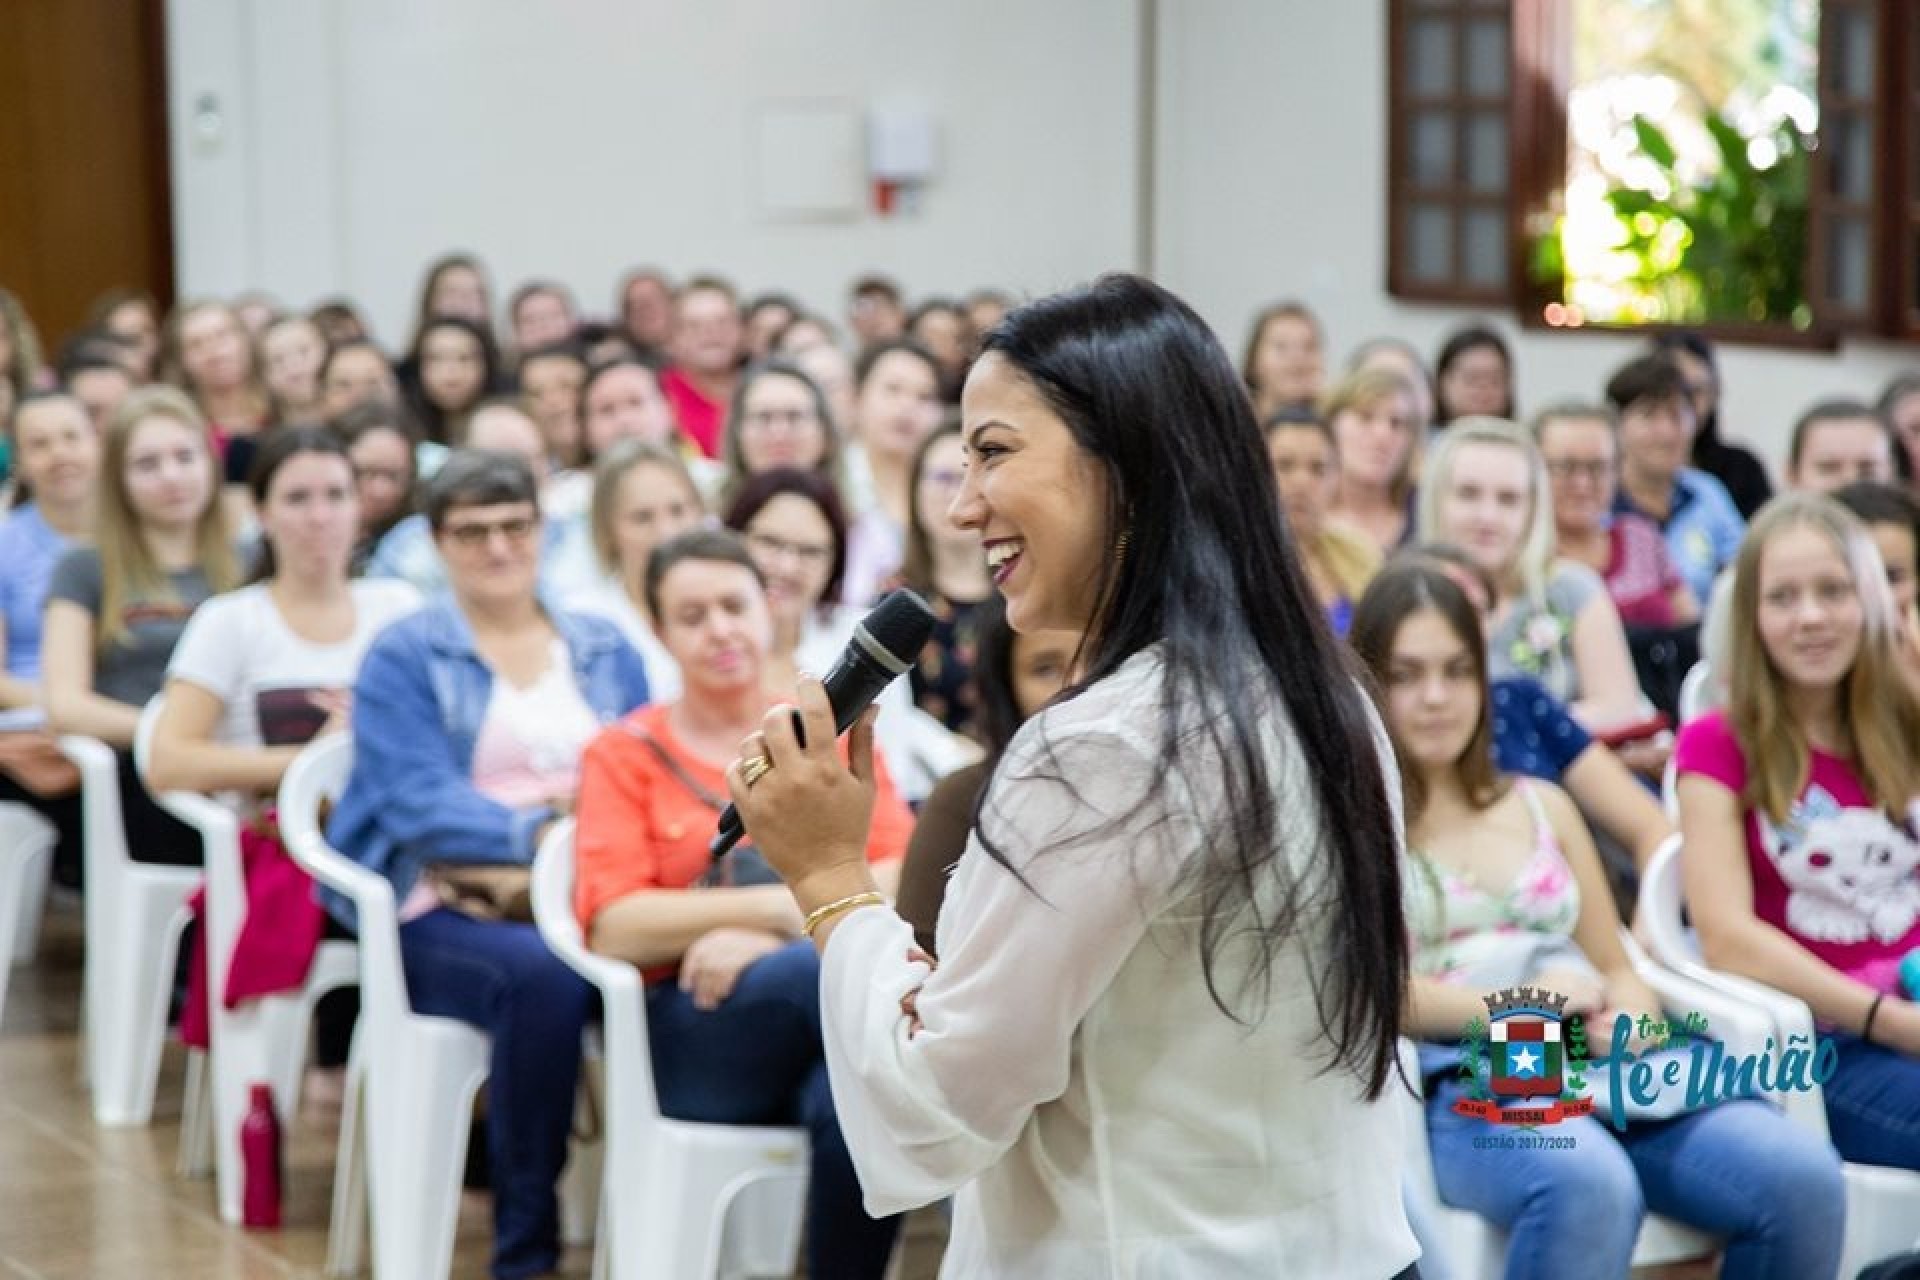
1796,804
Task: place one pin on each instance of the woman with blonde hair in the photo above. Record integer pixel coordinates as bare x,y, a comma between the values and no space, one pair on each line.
1374,416
643,495
207,352
1485,491
116,609
1797,807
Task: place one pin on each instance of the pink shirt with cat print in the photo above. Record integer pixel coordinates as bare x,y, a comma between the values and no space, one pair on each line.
1838,876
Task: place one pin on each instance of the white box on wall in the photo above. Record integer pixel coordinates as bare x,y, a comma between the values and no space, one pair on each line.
807,161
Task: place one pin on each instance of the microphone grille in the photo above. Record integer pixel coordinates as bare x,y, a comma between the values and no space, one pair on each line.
901,624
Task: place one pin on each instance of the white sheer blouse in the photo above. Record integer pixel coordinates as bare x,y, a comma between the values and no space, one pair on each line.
1073,1082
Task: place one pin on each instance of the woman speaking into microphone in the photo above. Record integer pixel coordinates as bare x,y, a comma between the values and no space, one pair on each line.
1171,961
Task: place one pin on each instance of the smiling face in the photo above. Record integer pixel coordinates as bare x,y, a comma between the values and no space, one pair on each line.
57,451
792,542
168,477
1476,383
626,403
714,620
1901,555
1035,498
1810,617
780,425
1375,440
550,386
1581,460
311,515
653,504
1485,504
1433,691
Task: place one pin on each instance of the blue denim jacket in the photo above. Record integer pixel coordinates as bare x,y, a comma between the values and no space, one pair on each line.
418,704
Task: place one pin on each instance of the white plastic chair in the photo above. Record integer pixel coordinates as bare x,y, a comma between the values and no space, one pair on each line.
265,1039
134,914
26,861
412,1079
1883,1205
1699,691
694,1200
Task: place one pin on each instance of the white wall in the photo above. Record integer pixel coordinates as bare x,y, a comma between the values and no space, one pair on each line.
577,138
1272,183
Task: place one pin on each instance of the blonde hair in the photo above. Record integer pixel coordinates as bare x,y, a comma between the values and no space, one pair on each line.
127,568
23,368
1879,711
1364,388
1533,562
608,475
172,354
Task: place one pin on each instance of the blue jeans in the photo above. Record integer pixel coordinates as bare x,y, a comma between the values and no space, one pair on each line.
501,978
1873,1104
758,1059
1741,1171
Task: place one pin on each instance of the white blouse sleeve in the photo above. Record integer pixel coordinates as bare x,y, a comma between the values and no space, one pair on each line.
924,1112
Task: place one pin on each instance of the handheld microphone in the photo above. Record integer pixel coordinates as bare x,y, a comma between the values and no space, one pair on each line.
883,647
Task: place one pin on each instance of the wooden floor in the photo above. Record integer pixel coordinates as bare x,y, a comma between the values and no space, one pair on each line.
78,1202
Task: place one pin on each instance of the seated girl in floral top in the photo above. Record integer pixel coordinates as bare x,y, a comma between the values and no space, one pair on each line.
1504,888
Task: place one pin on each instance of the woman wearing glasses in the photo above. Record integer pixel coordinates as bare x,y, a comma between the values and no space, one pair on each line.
778,418
1627,551
796,530
469,718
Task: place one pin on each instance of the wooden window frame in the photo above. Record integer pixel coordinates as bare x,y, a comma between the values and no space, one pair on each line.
1539,78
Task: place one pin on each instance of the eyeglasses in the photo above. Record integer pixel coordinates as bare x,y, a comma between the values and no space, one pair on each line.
516,529
807,553
945,477
1594,469
762,419
386,475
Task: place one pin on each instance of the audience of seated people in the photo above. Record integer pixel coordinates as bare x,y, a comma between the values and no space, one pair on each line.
557,503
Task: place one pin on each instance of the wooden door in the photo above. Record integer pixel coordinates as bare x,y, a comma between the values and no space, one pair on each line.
84,199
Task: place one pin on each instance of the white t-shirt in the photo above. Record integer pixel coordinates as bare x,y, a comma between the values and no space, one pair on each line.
238,648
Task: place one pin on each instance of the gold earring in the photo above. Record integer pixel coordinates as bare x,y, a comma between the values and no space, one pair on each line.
1120,544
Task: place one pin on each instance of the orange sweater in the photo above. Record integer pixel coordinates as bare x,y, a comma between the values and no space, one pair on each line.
642,828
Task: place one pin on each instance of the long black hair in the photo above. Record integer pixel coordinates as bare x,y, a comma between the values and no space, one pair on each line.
1211,577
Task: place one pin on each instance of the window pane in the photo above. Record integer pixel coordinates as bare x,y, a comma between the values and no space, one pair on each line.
1851,73
1486,247
1430,148
1487,151
1430,57
1430,243
1850,172
1488,52
1847,263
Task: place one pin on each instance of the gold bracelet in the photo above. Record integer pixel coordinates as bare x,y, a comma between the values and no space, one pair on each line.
820,915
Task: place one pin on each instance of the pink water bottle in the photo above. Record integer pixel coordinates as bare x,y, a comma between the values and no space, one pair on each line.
260,1161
